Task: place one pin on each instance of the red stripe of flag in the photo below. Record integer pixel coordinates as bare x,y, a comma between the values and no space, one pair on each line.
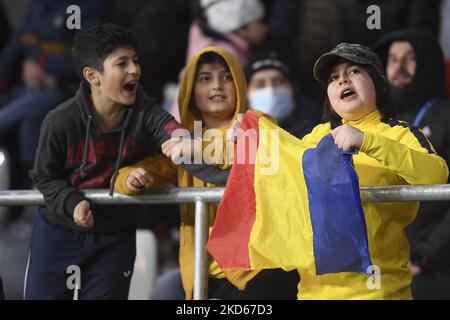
224,244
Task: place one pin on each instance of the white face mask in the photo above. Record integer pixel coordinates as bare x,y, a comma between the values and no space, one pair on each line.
278,102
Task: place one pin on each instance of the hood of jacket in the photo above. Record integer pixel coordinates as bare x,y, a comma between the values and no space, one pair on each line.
429,79
188,80
126,113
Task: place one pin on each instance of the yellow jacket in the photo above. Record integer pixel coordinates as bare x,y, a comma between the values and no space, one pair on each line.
392,153
162,169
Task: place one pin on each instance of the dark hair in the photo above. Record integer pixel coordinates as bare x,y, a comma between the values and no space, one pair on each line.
211,57
94,44
385,103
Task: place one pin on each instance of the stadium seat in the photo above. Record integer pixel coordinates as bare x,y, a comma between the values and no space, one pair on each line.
145,266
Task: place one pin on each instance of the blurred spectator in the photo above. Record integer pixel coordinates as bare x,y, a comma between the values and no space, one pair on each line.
415,69
37,74
161,28
236,25
4,27
273,89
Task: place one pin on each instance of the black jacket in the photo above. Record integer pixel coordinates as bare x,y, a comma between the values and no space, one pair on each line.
303,119
73,154
351,17
429,234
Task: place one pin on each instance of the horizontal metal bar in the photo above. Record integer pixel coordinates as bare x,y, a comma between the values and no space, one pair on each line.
431,192
185,195
101,196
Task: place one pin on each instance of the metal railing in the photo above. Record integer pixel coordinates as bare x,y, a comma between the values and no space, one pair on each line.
202,196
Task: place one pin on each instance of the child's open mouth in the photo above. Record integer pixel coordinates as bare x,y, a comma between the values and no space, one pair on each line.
130,86
347,94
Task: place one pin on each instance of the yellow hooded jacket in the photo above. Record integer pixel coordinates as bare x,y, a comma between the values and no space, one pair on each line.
162,170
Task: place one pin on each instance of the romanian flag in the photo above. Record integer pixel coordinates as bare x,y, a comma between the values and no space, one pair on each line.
289,205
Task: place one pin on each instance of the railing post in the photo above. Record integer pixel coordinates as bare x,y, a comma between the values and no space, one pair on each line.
200,254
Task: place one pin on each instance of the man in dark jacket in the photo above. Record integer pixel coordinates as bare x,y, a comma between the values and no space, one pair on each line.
415,68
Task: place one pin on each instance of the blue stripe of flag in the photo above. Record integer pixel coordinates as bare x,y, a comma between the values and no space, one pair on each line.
338,223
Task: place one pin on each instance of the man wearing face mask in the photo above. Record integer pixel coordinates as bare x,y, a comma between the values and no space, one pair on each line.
272,89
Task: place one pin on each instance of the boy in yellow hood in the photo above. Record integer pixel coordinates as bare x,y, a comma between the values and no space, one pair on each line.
214,91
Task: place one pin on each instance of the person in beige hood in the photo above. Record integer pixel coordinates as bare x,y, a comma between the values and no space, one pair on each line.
214,91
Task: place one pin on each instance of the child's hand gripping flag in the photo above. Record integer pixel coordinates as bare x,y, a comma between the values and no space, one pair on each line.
289,205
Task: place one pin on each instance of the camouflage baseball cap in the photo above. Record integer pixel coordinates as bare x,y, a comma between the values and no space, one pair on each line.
349,51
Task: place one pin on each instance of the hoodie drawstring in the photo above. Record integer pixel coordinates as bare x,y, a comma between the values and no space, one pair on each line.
86,147
116,169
